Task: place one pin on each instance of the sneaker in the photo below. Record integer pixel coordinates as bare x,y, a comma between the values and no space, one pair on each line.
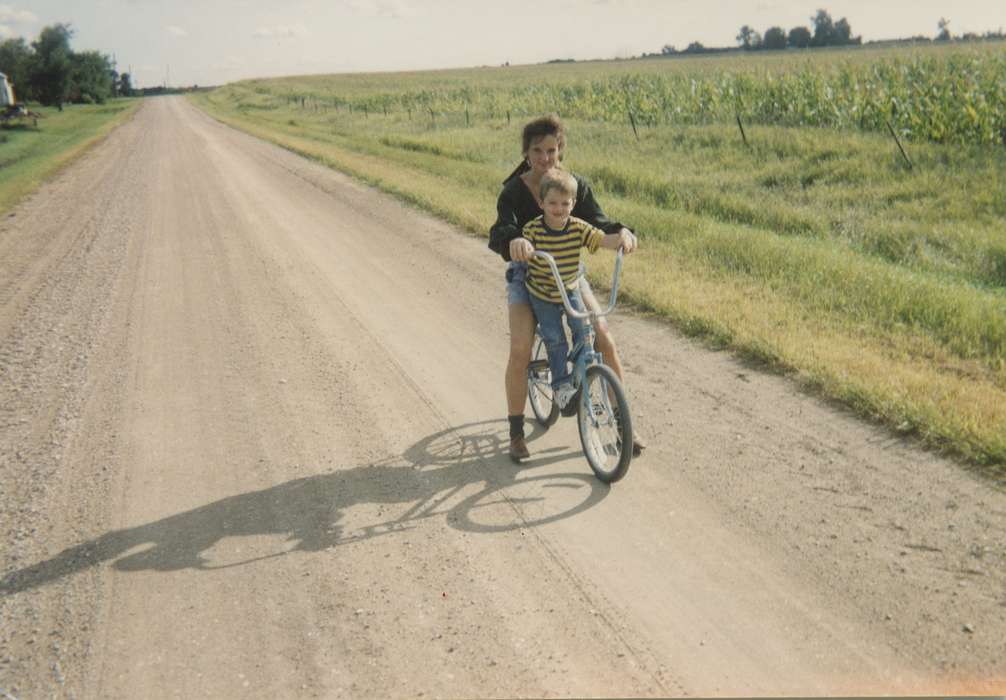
563,393
518,450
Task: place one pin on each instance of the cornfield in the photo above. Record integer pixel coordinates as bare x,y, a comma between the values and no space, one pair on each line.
954,97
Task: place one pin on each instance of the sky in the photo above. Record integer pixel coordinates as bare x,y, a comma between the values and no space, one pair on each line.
212,42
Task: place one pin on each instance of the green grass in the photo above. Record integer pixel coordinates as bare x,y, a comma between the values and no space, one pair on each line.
30,154
815,250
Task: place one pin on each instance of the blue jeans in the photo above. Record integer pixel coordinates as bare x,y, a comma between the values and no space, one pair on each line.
550,317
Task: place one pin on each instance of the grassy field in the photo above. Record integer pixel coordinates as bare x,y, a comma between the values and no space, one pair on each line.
817,251
30,154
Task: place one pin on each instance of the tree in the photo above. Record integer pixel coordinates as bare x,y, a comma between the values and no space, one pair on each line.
668,50
695,47
91,79
748,38
824,28
125,86
52,65
799,37
944,25
842,33
775,38
15,57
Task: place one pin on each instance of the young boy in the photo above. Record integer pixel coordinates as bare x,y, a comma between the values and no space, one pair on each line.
563,236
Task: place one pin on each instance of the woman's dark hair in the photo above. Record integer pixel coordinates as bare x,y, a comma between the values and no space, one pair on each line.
548,125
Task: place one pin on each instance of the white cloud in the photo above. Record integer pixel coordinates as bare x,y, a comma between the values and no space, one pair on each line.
11,15
175,30
6,32
281,31
395,9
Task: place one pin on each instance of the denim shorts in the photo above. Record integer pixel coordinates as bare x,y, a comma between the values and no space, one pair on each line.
516,284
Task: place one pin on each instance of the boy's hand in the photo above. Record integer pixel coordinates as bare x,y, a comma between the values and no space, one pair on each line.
521,250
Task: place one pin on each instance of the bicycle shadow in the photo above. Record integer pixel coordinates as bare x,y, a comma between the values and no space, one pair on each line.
307,512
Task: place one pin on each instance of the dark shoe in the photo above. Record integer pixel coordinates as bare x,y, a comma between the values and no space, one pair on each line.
637,446
518,450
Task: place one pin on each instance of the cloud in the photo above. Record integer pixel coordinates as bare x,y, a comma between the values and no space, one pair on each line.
175,30
395,9
6,32
281,31
11,15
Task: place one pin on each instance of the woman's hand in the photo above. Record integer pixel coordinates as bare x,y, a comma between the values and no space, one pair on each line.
521,250
623,238
627,240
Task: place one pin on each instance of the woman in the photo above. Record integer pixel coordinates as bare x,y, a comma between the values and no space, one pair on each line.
543,142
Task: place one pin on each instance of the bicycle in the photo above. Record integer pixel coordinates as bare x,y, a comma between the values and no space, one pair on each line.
602,412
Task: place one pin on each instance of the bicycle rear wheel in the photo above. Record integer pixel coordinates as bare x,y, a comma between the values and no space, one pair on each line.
539,385
605,425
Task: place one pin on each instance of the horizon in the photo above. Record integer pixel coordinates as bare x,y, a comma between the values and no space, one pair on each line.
185,43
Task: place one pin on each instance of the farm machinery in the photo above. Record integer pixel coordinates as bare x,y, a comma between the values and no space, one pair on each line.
10,111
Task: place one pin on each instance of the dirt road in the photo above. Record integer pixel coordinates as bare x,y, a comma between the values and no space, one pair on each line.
252,444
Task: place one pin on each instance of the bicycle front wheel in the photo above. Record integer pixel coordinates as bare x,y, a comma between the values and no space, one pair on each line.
605,425
539,385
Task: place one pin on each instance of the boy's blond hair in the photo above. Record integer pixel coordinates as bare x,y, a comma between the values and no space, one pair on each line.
556,179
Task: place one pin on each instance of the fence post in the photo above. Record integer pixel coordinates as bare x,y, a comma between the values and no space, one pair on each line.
900,147
744,136
632,120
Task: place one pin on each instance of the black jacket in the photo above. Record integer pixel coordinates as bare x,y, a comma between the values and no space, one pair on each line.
516,206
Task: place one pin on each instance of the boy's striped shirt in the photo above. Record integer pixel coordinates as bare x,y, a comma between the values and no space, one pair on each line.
565,247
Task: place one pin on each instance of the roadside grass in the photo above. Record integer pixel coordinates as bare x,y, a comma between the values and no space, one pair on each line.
816,251
31,154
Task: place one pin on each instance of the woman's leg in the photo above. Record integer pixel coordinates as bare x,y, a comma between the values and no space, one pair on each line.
603,341
522,324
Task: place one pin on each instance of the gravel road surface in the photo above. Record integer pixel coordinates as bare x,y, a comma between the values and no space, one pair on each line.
253,444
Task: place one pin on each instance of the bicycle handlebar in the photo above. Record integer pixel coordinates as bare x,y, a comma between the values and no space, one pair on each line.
562,288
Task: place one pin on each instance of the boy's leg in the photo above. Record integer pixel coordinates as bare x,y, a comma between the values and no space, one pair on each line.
549,317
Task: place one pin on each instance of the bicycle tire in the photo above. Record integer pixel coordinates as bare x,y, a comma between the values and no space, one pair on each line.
605,429
539,385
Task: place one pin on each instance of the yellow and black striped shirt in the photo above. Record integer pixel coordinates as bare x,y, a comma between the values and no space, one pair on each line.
564,246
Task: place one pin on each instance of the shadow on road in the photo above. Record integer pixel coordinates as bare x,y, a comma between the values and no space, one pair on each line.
467,463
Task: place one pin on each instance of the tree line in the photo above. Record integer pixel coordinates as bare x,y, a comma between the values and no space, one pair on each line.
50,72
827,32
824,31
